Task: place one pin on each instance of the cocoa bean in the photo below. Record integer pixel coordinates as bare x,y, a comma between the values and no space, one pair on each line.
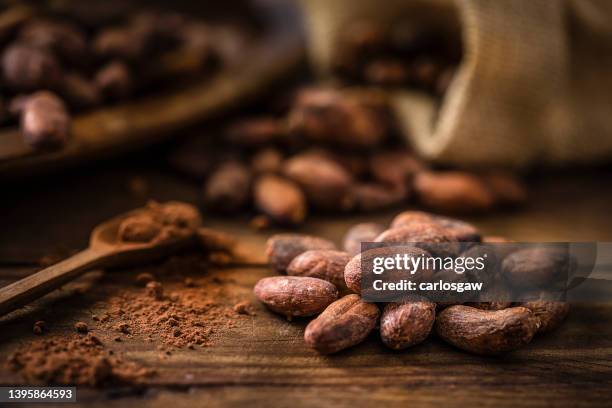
280,199
406,324
45,123
374,197
343,324
281,249
26,68
326,264
365,232
534,267
255,132
295,295
453,191
551,314
487,331
228,188
461,230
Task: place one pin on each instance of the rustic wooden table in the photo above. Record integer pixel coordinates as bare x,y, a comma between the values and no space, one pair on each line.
263,361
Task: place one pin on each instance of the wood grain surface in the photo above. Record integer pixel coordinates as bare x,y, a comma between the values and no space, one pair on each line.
262,361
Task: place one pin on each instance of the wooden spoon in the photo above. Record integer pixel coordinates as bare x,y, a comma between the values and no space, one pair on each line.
105,250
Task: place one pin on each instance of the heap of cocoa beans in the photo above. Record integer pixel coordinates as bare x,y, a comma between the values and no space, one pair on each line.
58,61
319,280
334,150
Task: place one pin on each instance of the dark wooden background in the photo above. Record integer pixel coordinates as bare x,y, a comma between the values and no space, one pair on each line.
263,361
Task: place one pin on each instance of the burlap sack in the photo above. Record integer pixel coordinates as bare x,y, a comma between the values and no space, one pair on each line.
534,85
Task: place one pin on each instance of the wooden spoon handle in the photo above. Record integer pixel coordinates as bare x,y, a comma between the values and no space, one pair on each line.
24,291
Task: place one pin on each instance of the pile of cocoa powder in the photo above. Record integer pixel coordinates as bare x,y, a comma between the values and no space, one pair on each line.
76,359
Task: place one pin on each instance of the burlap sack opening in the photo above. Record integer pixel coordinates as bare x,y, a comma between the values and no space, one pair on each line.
533,86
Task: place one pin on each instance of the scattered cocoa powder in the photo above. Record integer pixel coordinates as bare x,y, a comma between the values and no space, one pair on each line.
73,360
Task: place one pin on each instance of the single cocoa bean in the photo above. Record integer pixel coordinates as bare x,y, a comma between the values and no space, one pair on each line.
353,273
374,197
348,119
268,160
406,324
426,235
487,331
365,232
551,314
114,81
326,264
327,185
461,230
343,324
394,168
228,187
453,191
27,68
507,188
535,267
45,123
255,132
295,295
280,199
281,249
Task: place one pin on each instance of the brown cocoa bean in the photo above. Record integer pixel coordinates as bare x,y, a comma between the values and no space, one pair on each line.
228,188
327,184
406,324
426,235
62,38
394,168
551,314
27,68
347,119
45,122
365,232
280,199
114,81
326,264
343,324
453,191
295,295
461,230
281,249
268,160
507,188
487,331
254,132
353,273
534,267
374,197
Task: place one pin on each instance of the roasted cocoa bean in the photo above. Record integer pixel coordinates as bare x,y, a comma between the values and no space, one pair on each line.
550,313
45,122
255,132
327,185
326,264
394,168
268,160
365,232
281,249
535,267
295,295
26,68
228,188
280,199
507,188
461,230
406,324
370,197
453,191
343,324
487,331
427,235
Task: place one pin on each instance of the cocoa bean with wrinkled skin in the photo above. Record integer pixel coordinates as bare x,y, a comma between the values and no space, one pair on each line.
551,314
228,188
461,230
374,197
343,324
45,122
295,295
353,273
326,264
280,199
327,185
364,232
281,249
487,332
394,168
427,235
453,191
535,267
406,324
